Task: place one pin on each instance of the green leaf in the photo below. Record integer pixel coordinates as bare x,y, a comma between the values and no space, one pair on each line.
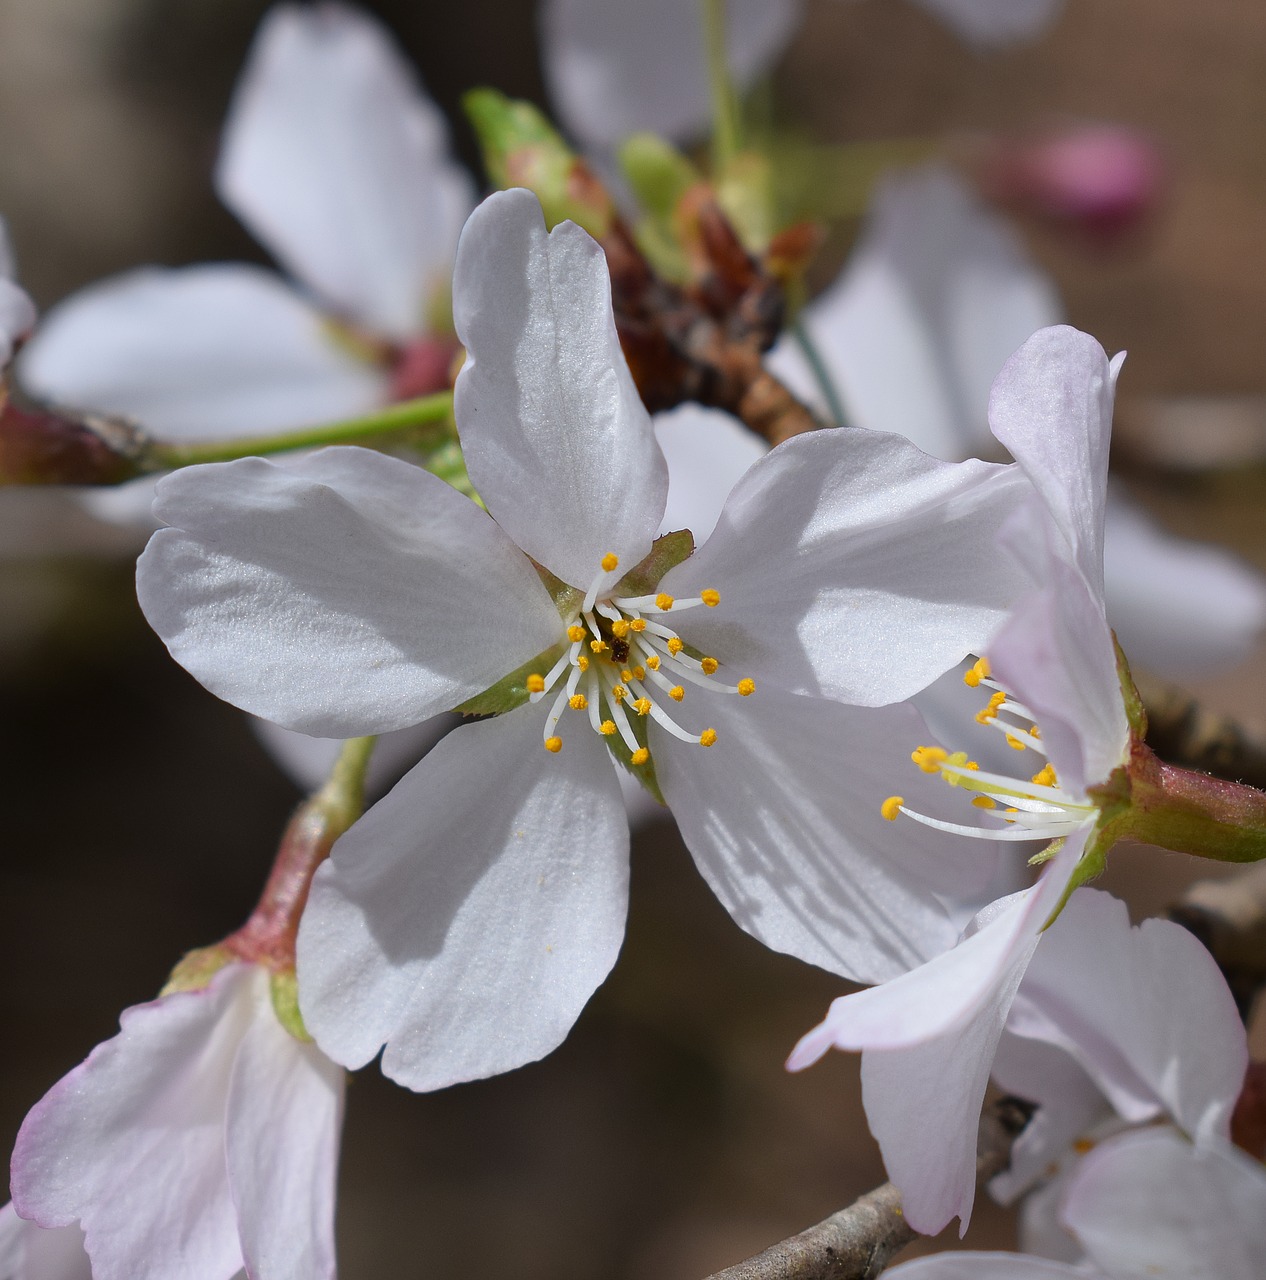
510,691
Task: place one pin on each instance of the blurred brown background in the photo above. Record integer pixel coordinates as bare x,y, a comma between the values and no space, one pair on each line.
664,1139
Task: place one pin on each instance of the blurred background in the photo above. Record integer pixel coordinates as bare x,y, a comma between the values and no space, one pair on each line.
664,1140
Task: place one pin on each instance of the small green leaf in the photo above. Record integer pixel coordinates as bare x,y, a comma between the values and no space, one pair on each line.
510,691
284,989
666,553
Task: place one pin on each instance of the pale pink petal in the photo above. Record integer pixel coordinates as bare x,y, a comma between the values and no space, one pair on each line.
342,594
937,294
967,1265
467,918
1179,608
929,1040
197,353
707,452
555,435
1055,654
284,1116
338,162
1164,1033
782,817
1150,1206
28,1252
853,566
131,1143
991,23
615,68
1052,407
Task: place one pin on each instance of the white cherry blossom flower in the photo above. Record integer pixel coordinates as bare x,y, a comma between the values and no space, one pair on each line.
466,919
200,1140
934,299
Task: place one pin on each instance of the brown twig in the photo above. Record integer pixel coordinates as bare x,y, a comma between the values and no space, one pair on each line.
857,1243
1182,732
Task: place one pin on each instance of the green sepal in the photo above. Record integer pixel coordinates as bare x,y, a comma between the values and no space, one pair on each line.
666,553
196,969
510,692
658,173
283,987
1135,711
644,773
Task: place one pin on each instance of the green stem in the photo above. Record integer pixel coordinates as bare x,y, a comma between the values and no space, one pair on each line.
433,410
821,374
726,123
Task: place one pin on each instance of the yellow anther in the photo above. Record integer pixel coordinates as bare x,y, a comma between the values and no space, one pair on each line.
1035,732
1045,777
638,625
1015,743
598,646
929,758
607,728
990,712
979,672
535,683
640,756
971,764
707,737
620,628
575,633
639,673
954,768
747,687
984,802
619,692
582,661
1083,1146
554,744
642,706
675,645
709,666
710,598
663,601
577,702
676,693
891,807
626,675
652,661
610,562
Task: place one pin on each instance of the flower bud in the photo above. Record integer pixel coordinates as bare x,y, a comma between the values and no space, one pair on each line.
40,446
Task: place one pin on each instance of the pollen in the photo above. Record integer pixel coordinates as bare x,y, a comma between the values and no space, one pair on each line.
676,693
582,661
979,672
747,687
652,661
675,645
709,666
663,602
990,712
891,807
536,683
708,737
639,673
640,756
626,675
620,628
984,802
710,598
1045,777
1014,743
575,633
598,646
619,692
577,702
637,625
607,728
642,706
929,759
554,744
610,563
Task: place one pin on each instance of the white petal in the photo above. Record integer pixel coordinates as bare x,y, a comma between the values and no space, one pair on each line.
1149,1205
989,23
338,162
1163,1033
344,593
929,1039
707,452
467,918
852,565
131,1143
198,352
1052,407
782,818
285,1112
1179,608
28,1252
615,68
555,436
936,296
966,1265
1056,655
17,311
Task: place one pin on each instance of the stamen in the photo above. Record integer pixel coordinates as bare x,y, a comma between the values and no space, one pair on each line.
548,682
610,563
676,693
607,728
575,633
709,666
554,744
663,602
535,683
710,598
979,672
891,807
637,624
708,738
640,756
746,687
652,661
642,706
578,702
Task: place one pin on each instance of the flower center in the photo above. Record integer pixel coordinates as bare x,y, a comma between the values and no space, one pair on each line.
1038,809
624,663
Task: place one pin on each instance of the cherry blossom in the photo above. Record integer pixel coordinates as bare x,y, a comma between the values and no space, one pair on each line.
466,919
17,311
200,1140
935,298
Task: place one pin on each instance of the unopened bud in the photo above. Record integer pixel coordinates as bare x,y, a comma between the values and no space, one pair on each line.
41,446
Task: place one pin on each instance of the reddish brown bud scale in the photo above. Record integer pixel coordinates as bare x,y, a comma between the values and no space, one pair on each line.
39,446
